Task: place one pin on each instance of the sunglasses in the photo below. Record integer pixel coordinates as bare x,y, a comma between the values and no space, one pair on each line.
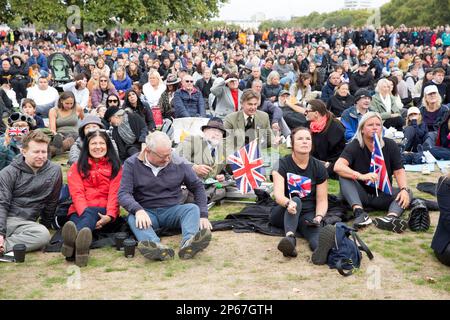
103,80
113,100
189,81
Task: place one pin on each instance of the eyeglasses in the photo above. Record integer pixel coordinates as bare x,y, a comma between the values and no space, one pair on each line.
162,157
103,80
189,81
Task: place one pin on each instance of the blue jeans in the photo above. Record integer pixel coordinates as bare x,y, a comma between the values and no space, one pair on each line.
440,153
184,216
88,219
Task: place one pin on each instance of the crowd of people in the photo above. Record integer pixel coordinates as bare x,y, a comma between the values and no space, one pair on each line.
325,93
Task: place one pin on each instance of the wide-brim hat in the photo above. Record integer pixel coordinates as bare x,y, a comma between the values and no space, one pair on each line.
172,79
215,123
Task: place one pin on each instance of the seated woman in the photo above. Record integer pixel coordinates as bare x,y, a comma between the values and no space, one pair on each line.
328,134
415,131
128,131
93,183
353,168
63,121
29,108
301,89
304,210
384,103
102,92
433,113
441,151
121,82
272,88
135,105
165,101
441,238
341,100
19,125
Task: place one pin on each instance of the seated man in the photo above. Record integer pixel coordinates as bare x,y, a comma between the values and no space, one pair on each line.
353,169
249,123
151,208
207,151
30,188
188,100
351,116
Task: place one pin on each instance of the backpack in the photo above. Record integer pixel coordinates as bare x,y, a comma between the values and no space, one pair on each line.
346,254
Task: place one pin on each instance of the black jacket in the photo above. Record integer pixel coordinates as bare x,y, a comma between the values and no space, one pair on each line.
358,81
337,104
139,129
441,237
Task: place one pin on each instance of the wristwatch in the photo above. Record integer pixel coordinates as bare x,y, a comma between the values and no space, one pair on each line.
405,188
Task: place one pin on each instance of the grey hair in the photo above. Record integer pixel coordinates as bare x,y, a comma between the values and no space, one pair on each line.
272,74
358,136
157,138
380,82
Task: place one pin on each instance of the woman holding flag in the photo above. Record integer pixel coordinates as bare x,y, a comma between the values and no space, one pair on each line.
365,170
301,191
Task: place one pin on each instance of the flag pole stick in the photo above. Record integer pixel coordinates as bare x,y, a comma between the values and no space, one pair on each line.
376,188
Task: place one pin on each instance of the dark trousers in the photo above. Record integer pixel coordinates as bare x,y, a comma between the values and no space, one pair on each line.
440,153
281,218
413,140
88,219
444,257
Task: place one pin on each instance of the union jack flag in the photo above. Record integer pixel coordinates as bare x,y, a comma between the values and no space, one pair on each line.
299,184
247,164
378,166
13,131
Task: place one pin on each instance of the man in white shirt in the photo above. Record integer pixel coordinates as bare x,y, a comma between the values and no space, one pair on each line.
44,96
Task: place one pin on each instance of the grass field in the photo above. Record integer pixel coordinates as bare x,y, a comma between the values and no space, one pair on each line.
240,266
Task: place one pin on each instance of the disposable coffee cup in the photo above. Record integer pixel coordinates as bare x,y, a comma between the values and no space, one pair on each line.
129,248
19,252
120,237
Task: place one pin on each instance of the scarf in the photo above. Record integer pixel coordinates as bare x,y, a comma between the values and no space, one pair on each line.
318,126
125,131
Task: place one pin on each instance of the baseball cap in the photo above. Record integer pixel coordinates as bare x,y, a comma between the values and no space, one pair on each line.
283,92
413,110
430,89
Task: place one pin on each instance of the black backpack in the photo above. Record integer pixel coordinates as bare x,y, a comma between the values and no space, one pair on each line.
346,254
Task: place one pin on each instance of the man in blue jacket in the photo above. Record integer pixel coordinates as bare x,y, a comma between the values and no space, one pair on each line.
351,116
151,192
38,58
188,100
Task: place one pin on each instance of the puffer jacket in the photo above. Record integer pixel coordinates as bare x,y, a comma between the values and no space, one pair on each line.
28,195
97,190
188,104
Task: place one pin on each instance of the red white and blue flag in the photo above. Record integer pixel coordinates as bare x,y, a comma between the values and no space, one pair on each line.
13,131
299,184
247,166
378,166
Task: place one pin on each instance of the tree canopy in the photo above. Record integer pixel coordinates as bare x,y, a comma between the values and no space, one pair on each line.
107,12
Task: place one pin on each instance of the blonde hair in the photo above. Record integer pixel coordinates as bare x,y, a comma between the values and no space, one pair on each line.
359,136
156,74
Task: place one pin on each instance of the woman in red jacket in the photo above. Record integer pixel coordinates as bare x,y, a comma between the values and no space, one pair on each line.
93,184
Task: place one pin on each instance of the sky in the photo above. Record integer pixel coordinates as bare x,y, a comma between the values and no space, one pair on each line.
275,9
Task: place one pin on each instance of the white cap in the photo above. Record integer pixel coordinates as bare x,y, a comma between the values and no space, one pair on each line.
413,110
430,89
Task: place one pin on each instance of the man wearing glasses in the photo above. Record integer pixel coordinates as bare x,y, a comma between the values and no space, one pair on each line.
158,206
188,101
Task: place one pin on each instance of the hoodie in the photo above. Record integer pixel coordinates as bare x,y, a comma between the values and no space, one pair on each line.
27,195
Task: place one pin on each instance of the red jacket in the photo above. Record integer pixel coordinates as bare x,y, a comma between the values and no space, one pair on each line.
98,190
